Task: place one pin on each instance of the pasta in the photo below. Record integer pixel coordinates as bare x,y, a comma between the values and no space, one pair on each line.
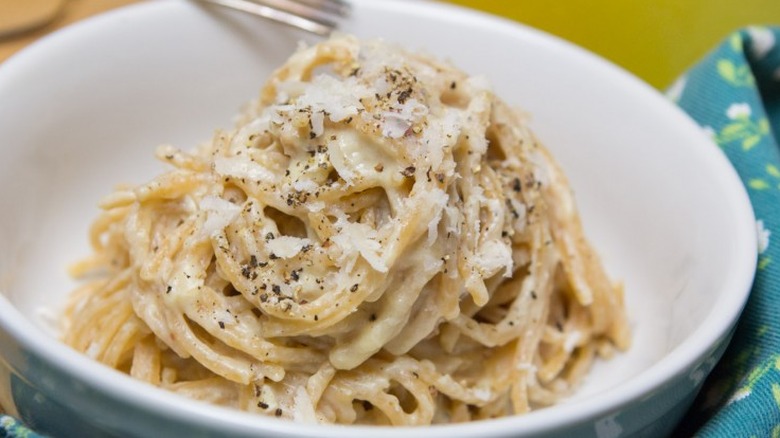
380,240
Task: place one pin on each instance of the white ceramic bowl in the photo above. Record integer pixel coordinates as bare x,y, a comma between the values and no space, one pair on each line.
84,108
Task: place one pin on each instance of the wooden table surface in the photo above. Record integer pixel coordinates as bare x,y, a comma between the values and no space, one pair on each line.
73,10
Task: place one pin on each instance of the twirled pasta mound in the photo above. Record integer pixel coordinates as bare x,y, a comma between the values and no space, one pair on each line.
381,240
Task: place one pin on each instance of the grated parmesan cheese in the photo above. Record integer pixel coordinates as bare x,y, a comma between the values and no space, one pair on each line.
360,238
219,214
286,247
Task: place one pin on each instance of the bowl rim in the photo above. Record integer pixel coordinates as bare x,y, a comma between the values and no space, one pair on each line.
715,327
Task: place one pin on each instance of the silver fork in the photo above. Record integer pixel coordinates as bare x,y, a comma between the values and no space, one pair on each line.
316,16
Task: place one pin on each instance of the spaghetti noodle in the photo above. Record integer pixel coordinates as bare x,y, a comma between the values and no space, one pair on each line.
381,240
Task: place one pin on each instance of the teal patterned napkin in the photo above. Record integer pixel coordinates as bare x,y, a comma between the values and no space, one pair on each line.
734,94
10,427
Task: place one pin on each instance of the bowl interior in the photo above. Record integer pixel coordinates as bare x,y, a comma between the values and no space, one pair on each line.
83,111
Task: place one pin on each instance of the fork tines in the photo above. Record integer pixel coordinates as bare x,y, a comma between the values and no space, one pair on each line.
338,7
315,16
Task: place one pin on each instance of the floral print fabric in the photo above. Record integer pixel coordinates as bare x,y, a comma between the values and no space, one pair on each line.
734,94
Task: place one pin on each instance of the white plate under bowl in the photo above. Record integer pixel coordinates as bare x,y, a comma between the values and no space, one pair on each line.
84,108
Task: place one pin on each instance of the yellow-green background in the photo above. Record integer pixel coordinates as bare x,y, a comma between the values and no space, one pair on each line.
655,39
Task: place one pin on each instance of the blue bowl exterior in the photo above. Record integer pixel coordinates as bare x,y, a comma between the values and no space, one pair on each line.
52,402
